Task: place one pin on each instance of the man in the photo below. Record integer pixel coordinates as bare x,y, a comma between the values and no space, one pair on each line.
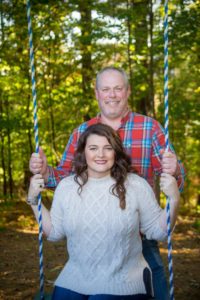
143,139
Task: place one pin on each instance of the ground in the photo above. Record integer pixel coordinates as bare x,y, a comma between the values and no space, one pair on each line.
19,256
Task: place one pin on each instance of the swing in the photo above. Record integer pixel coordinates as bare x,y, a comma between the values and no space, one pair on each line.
41,295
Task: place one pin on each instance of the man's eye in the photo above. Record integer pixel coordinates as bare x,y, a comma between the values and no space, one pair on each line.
105,90
118,89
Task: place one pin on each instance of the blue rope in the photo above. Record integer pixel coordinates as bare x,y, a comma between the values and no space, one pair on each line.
34,94
166,104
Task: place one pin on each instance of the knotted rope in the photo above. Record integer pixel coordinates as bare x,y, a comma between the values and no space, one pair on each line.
34,94
166,104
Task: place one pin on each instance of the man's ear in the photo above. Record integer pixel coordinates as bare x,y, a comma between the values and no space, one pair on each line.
96,94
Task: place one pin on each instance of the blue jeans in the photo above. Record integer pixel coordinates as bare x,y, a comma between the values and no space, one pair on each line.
65,294
152,255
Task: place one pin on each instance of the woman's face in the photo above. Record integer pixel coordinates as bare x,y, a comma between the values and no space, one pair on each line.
99,156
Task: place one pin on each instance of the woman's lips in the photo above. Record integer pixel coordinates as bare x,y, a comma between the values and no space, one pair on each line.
100,162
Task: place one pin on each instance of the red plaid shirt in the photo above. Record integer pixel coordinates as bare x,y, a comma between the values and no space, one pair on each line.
142,137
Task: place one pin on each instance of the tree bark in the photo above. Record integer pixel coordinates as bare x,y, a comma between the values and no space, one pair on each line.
151,62
3,165
141,37
10,179
85,47
130,66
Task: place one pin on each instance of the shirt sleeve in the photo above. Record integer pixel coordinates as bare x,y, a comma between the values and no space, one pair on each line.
158,143
57,214
65,166
150,213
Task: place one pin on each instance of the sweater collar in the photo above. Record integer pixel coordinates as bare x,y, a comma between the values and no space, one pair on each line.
104,179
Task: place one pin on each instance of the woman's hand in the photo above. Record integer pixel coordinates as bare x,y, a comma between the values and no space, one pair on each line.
36,186
168,185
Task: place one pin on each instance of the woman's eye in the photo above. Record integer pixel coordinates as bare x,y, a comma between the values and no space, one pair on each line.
109,148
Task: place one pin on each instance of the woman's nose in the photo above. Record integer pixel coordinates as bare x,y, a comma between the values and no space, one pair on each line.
100,153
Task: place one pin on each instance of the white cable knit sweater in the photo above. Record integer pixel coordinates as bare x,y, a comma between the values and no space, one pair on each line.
103,241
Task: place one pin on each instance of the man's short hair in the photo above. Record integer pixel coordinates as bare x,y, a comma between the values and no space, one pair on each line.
112,68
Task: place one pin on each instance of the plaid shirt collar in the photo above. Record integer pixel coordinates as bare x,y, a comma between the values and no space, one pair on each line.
123,120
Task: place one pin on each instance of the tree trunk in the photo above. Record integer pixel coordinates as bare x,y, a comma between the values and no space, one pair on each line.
85,47
30,146
10,179
3,165
141,37
130,66
151,62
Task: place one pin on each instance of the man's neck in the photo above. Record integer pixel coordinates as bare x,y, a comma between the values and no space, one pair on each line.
115,123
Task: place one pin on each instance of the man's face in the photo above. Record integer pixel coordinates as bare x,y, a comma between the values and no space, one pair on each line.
112,94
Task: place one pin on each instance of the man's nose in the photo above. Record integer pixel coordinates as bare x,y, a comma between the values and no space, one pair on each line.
112,93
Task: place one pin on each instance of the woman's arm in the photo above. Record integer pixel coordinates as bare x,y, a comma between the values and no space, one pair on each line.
36,186
153,219
46,220
168,185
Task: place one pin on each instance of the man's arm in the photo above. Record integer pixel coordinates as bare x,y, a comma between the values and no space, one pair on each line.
64,168
52,176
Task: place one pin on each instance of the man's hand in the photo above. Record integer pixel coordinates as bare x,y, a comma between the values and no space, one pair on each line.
169,186
169,163
38,164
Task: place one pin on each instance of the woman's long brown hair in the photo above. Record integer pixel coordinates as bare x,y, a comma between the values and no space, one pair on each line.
119,170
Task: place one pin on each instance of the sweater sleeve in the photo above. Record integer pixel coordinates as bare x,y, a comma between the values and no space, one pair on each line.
149,212
57,212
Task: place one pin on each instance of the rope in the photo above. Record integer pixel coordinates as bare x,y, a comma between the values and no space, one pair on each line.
34,94
166,104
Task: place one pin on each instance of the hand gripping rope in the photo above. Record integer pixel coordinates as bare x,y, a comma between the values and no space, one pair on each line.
166,104
37,145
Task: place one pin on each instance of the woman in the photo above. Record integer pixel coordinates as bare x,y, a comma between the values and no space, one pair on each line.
102,210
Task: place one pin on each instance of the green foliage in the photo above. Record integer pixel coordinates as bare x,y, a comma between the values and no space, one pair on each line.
72,41
196,225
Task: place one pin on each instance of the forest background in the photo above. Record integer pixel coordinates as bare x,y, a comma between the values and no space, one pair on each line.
73,40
